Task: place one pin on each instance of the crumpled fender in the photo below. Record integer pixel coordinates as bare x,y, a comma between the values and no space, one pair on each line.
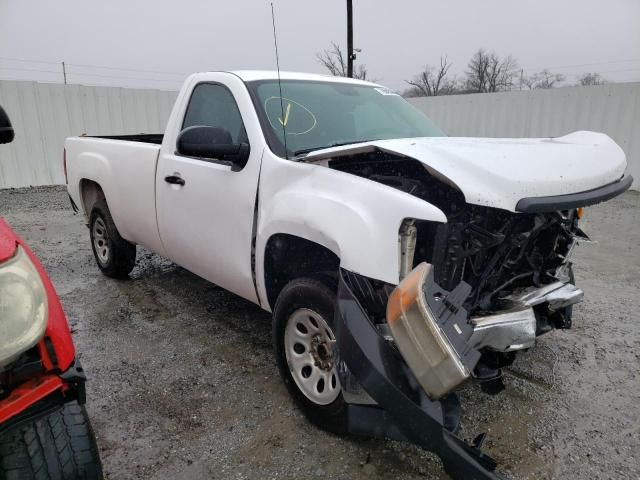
355,218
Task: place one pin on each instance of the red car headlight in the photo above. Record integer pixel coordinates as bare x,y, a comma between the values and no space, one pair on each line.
23,306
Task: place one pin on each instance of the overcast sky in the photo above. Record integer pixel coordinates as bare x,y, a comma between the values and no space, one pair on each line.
397,38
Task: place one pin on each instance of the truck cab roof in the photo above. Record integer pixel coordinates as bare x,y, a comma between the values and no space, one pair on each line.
253,75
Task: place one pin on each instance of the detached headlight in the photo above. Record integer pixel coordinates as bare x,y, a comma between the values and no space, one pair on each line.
421,341
23,306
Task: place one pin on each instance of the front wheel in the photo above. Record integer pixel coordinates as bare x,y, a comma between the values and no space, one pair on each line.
60,445
306,350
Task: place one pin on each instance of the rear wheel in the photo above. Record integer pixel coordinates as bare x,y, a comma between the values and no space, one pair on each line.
115,256
57,446
306,350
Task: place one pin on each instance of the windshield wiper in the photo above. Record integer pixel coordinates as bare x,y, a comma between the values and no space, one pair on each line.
305,151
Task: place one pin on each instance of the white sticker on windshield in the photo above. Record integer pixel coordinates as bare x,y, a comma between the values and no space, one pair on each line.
385,91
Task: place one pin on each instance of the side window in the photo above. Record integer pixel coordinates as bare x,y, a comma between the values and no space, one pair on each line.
214,106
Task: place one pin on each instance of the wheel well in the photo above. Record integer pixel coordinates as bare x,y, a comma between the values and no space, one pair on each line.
90,193
288,257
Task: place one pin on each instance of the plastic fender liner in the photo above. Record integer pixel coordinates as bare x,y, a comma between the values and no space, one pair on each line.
383,374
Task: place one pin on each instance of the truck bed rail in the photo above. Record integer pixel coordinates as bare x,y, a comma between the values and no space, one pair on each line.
155,138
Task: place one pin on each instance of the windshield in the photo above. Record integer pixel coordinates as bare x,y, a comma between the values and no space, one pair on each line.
318,115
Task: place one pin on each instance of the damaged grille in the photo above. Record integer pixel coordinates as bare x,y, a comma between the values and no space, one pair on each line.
495,251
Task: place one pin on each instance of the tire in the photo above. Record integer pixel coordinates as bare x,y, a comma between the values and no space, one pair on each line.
57,446
115,256
312,298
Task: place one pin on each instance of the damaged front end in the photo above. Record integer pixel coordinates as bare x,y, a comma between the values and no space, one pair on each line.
398,377
473,292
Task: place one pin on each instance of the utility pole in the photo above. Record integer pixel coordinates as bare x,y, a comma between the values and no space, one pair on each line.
64,73
350,55
521,75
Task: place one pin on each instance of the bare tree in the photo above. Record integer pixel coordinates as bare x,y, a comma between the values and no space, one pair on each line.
432,81
543,79
476,72
591,79
336,62
487,72
501,73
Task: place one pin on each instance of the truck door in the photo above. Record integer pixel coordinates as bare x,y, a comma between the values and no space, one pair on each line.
205,207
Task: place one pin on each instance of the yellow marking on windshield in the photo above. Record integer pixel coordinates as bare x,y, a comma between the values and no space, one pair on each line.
286,116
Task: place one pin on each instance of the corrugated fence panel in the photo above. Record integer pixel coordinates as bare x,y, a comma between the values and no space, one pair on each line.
9,166
43,115
613,109
32,111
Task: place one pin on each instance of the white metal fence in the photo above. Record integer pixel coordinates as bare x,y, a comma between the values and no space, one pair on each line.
613,109
44,114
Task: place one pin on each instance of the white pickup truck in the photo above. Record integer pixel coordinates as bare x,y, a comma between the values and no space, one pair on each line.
397,262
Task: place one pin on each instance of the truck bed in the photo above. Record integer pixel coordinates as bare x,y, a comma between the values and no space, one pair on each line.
124,166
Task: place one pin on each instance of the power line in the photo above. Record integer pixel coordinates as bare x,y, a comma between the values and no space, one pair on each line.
165,72
29,70
578,73
79,74
28,61
125,69
75,72
592,64
83,65
623,70
561,67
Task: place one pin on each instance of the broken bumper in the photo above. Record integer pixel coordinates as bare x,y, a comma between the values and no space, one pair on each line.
516,328
402,411
401,389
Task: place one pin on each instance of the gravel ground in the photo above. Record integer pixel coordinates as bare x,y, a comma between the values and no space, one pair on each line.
183,384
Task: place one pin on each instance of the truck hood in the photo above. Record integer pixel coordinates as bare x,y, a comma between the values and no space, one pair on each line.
498,172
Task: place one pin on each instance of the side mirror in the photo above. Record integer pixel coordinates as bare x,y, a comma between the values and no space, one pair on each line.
212,142
6,130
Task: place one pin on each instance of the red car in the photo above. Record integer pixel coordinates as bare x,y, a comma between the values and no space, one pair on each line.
44,428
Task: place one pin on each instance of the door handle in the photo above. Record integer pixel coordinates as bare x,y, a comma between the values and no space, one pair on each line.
174,179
